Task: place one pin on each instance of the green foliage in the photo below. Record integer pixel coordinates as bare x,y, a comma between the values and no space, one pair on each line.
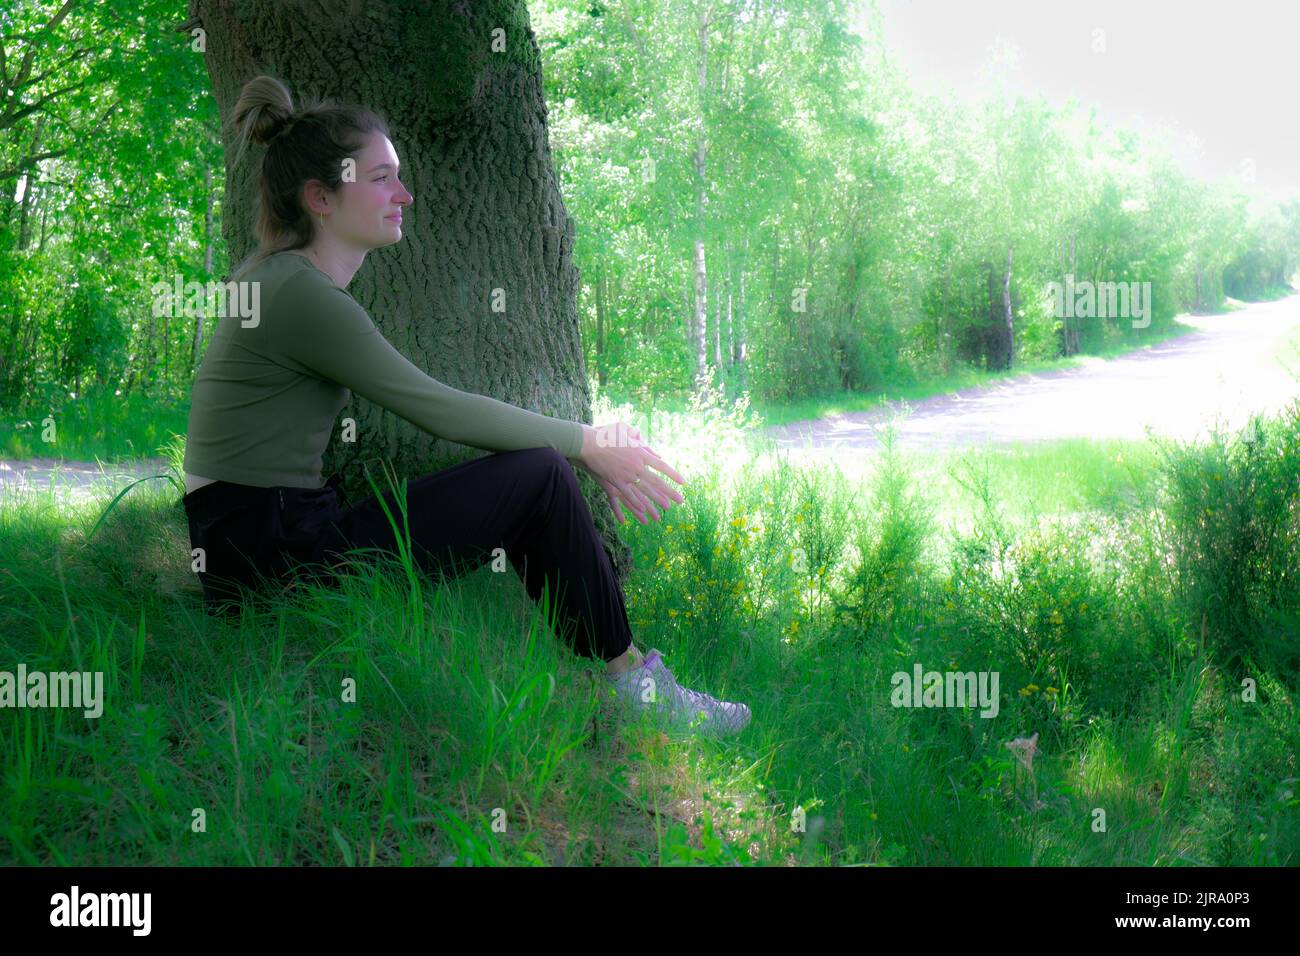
114,195
853,235
95,337
884,582
713,850
472,708
1233,534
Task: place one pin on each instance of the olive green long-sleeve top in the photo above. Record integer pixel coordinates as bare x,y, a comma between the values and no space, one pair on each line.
271,385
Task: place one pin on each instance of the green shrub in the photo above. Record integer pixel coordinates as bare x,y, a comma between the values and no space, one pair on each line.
1232,529
884,578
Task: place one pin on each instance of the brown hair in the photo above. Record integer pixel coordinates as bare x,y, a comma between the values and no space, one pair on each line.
308,144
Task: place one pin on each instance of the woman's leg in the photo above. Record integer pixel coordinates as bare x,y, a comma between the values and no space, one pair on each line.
626,661
529,504
229,526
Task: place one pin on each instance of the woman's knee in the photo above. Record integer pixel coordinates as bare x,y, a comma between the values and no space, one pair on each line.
546,460
552,470
548,457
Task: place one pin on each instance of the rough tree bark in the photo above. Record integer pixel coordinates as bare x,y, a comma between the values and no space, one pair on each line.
1070,327
29,189
699,329
460,85
209,241
739,353
730,337
600,329
1009,313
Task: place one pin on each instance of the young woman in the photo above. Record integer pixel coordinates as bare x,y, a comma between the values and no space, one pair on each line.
271,385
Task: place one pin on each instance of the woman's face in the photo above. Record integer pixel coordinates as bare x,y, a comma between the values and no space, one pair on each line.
367,213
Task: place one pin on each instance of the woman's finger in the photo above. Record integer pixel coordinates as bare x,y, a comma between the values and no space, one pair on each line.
658,490
616,506
619,497
668,470
640,503
649,503
615,500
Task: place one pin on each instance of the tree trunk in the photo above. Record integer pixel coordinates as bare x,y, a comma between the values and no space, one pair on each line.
701,284
946,343
730,336
991,339
699,315
29,189
739,346
469,124
710,314
208,244
718,277
24,208
688,308
1006,302
600,329
147,370
1071,325
45,215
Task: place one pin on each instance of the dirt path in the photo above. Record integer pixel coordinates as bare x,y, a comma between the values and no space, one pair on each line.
75,479
1228,369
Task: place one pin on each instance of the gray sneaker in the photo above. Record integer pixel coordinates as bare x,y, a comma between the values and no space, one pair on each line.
651,688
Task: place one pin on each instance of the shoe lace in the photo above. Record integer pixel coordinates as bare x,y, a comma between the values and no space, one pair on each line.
690,703
696,702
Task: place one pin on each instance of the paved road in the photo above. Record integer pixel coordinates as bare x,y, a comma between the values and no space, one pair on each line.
1227,369
78,480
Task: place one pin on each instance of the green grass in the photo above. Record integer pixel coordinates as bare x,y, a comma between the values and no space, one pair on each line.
967,376
1091,584
1287,352
98,425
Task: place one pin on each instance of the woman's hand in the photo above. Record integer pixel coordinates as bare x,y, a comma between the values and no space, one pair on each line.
620,462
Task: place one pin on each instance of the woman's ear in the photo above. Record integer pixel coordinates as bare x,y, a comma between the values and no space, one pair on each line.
315,196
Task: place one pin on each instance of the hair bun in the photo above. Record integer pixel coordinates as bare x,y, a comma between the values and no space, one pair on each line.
279,123
269,123
264,109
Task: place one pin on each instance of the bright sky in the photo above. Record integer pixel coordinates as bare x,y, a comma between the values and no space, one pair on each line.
1217,81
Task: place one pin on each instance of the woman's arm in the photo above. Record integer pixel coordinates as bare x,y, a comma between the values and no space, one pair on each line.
620,461
326,332
329,334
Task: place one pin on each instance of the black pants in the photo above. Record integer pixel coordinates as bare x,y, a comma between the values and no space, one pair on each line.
527,503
